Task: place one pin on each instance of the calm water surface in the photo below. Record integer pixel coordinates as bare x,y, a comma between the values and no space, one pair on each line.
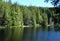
38,35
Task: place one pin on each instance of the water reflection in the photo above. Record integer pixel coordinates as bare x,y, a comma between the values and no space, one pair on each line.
1,34
40,35
30,34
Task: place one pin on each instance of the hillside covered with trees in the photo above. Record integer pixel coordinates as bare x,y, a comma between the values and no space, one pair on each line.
16,15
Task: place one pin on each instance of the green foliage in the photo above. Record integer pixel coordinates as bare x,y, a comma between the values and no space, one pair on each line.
39,17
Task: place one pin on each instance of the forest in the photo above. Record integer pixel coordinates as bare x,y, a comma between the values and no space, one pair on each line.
14,17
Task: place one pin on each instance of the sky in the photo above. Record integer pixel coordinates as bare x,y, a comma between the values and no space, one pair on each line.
38,3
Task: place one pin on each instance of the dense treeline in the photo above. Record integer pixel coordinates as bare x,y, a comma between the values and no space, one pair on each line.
13,17
16,15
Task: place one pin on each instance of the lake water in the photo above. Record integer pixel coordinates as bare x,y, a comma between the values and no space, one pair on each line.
38,35
29,34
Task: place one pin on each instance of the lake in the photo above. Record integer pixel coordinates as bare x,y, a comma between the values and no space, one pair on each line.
30,34
39,35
